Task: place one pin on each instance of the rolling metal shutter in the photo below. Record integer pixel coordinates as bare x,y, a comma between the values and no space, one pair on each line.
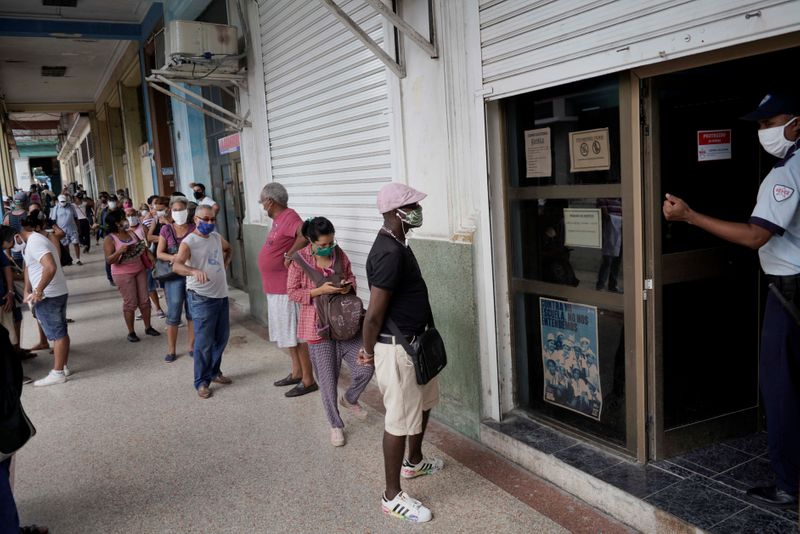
531,44
328,120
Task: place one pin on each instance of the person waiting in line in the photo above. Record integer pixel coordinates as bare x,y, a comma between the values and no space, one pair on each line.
284,239
169,242
202,198
10,313
203,257
126,252
773,230
14,436
46,291
84,212
14,217
142,232
327,354
399,293
66,217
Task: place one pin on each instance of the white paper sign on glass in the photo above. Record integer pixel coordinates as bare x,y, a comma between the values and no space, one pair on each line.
589,151
538,162
583,228
713,145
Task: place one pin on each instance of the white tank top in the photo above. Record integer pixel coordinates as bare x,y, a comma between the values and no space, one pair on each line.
207,256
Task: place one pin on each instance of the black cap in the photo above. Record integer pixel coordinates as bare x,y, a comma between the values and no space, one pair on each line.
774,104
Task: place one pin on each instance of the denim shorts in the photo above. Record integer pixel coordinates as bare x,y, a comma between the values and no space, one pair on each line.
52,315
175,293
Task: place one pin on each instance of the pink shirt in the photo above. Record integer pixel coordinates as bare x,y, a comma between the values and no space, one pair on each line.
279,241
128,265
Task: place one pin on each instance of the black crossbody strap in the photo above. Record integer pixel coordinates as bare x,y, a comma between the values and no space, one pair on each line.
399,336
312,273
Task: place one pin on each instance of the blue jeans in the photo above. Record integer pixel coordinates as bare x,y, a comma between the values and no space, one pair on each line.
52,315
175,293
211,331
9,520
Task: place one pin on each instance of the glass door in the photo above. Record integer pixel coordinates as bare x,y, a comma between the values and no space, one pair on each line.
705,312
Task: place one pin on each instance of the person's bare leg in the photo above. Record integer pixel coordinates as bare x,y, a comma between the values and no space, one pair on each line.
190,334
294,354
145,311
394,447
77,248
130,316
415,441
43,343
61,347
154,299
305,364
172,338
17,331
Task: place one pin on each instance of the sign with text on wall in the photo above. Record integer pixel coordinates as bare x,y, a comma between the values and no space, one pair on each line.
570,356
583,227
228,144
713,145
589,151
538,162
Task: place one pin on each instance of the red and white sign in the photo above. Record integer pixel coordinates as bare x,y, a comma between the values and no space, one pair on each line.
713,145
228,144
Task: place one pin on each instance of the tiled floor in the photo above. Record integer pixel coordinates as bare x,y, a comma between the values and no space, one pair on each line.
705,487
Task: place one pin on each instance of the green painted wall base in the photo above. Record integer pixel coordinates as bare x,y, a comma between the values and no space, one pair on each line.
254,237
448,269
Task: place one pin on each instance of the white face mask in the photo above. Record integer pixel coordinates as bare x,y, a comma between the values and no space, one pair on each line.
62,202
774,142
133,221
180,217
144,214
112,205
161,213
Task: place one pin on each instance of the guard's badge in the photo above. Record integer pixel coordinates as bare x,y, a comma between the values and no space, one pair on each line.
782,192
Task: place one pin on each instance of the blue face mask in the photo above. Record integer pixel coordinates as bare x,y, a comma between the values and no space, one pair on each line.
205,228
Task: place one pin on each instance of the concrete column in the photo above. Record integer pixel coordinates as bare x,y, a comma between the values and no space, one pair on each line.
132,128
116,140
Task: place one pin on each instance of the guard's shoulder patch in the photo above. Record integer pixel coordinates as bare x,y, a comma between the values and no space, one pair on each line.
782,192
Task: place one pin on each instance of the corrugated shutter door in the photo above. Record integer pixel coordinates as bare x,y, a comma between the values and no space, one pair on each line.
528,45
327,117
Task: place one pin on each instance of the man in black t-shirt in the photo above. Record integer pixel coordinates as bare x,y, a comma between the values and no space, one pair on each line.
398,293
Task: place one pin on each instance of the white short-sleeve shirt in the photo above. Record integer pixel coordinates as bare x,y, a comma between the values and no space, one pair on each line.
207,201
778,210
36,248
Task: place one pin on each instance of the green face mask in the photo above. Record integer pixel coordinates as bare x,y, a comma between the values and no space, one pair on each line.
412,218
325,251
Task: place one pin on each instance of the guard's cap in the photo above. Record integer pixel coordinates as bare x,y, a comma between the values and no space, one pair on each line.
774,104
62,198
396,195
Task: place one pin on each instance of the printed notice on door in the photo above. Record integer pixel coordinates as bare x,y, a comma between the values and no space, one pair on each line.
713,145
538,162
570,358
589,151
583,228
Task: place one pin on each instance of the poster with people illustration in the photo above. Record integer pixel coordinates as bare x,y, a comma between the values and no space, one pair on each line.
570,358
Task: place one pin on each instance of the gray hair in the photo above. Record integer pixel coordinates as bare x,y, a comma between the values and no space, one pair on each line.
179,200
203,208
275,191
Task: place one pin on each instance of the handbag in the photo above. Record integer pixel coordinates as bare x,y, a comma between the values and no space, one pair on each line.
427,351
163,271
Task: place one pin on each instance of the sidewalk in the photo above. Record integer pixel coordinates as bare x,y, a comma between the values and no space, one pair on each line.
127,446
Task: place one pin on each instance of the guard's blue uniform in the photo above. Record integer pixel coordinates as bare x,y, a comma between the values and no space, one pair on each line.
778,210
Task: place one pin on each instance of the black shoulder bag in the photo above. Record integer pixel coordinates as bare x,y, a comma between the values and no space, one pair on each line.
426,351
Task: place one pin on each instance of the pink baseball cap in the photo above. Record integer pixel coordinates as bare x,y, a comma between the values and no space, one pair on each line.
396,195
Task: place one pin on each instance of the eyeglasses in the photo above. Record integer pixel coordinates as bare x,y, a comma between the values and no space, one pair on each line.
208,219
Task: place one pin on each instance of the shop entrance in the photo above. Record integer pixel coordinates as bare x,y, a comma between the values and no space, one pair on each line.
704,315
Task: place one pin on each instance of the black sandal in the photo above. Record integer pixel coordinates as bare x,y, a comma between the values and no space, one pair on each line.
33,529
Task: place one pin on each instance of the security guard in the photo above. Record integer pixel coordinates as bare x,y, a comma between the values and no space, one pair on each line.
773,229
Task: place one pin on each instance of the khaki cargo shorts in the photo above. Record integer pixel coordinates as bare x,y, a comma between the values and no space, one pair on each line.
403,398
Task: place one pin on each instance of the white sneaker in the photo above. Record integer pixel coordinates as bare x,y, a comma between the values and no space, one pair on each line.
67,372
53,377
427,466
337,437
356,409
404,507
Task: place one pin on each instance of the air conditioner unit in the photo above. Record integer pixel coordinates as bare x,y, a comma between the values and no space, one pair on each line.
200,47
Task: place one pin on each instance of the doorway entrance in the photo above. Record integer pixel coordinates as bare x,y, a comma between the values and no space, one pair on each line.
704,316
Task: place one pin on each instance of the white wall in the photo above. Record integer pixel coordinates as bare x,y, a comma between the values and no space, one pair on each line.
22,171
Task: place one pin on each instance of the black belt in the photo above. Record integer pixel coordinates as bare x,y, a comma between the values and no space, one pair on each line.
791,281
392,340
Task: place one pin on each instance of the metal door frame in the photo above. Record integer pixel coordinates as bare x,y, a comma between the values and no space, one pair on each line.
657,441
